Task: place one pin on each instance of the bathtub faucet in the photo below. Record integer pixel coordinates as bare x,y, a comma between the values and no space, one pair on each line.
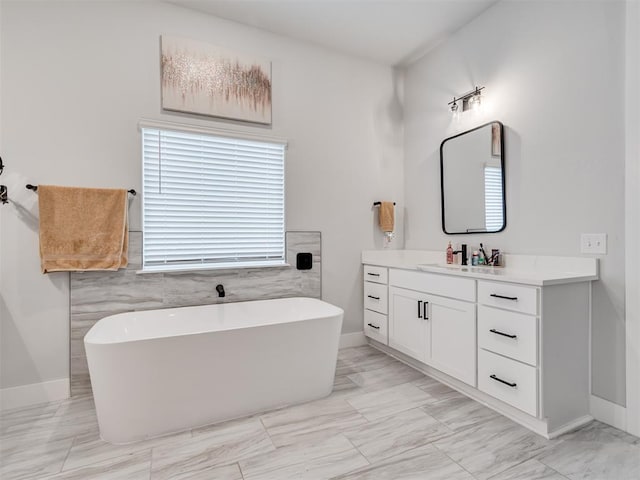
220,290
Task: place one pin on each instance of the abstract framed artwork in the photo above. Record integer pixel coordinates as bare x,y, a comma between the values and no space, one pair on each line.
207,80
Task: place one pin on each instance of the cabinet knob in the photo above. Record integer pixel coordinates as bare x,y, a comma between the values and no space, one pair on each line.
373,326
375,298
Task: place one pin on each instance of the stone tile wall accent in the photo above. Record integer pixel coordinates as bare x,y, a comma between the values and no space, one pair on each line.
95,295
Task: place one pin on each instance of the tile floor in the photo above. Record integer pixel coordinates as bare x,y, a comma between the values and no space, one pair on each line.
384,420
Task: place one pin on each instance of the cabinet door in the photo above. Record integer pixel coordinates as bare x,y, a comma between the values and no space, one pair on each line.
453,337
408,329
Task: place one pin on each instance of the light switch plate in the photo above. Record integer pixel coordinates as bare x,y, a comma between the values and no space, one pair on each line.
593,243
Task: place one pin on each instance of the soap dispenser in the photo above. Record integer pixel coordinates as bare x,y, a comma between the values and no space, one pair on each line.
449,254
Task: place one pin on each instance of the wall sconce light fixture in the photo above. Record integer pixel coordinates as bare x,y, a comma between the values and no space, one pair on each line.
470,100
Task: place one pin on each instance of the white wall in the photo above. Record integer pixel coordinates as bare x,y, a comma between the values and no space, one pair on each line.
554,75
76,78
632,214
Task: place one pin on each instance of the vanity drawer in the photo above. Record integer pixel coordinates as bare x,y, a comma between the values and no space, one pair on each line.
511,334
375,326
519,298
442,285
375,274
375,297
508,380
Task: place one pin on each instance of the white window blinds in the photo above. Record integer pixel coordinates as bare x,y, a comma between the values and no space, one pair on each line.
211,200
493,202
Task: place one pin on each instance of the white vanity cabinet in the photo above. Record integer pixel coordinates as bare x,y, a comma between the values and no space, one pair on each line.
409,327
508,341
429,322
376,300
514,339
453,338
533,348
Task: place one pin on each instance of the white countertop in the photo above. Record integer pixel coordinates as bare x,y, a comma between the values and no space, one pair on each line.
525,269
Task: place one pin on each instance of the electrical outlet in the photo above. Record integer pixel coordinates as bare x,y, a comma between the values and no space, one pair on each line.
593,243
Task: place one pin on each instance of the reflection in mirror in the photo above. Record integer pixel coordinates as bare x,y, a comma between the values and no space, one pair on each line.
472,181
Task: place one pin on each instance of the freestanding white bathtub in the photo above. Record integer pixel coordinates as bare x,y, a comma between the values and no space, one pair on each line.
162,371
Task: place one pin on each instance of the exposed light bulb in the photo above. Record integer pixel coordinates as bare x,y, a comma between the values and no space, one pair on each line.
475,101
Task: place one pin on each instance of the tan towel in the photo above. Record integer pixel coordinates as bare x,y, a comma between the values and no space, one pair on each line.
386,216
82,228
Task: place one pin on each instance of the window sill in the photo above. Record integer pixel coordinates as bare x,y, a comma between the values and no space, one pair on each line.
204,268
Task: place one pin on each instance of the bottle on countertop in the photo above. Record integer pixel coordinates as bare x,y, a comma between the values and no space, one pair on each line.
481,259
495,257
449,254
474,258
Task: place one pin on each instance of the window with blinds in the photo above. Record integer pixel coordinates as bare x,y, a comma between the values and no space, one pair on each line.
493,203
211,201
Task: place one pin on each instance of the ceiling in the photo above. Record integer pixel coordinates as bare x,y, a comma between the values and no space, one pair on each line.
393,32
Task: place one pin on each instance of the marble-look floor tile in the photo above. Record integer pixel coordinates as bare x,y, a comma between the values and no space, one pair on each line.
382,403
342,384
363,363
211,447
439,392
593,460
135,466
12,421
23,417
305,460
317,419
601,432
90,448
394,374
31,462
79,411
353,352
529,470
343,368
460,412
489,448
47,429
396,434
398,422
422,463
225,472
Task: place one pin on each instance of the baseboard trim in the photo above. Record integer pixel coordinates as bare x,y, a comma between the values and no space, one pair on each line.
25,395
570,427
355,339
608,412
